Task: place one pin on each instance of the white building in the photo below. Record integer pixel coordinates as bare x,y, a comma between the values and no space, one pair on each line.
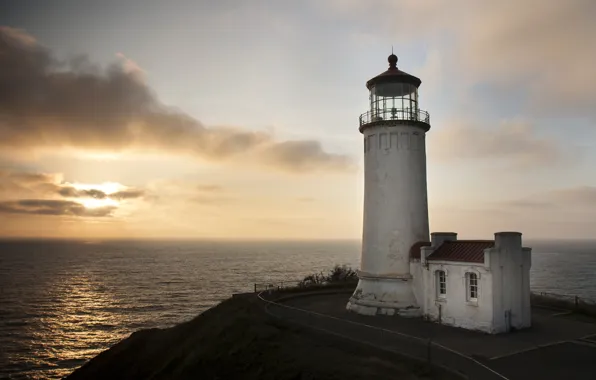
481,285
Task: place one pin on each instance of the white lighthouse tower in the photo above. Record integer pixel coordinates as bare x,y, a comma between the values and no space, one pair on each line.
395,199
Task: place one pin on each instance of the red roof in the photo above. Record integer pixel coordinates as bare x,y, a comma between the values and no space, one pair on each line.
415,249
462,250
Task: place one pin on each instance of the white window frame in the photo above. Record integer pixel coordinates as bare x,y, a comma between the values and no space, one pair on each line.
472,286
441,285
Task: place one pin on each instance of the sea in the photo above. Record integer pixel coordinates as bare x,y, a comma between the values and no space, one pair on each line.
63,302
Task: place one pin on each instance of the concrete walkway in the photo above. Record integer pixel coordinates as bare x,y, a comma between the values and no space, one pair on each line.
556,347
388,340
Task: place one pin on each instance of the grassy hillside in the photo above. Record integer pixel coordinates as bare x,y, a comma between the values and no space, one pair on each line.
238,340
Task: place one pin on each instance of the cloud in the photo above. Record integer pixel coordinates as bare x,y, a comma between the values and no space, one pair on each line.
525,204
127,194
53,184
212,200
560,213
48,194
210,188
514,141
47,103
580,198
538,48
285,221
580,194
26,183
209,195
71,192
538,43
305,155
131,67
53,207
185,193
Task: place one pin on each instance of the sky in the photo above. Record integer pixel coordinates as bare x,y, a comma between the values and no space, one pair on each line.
239,120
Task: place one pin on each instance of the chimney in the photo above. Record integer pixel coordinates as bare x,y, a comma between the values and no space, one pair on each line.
437,238
508,240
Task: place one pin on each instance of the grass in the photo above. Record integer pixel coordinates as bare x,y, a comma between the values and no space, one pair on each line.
338,277
238,340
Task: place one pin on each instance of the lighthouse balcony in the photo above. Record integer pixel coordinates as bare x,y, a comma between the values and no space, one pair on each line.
395,116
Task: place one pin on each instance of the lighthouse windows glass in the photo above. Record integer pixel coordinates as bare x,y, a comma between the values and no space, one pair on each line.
472,286
394,101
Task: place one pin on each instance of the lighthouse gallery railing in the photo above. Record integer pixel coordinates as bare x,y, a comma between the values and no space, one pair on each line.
388,114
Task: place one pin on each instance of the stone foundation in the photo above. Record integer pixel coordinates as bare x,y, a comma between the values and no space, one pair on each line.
384,296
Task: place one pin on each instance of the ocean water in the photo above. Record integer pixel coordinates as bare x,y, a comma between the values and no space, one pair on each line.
63,302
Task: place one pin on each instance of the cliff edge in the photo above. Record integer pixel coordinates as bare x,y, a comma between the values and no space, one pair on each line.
238,340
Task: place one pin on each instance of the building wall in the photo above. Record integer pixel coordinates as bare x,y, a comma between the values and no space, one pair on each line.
419,276
510,265
395,198
503,286
455,309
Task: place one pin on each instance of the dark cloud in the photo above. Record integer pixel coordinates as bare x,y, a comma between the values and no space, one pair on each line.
45,102
53,207
71,192
304,155
24,183
127,194
17,183
28,178
35,193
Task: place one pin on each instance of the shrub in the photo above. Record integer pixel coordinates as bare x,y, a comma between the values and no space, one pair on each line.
338,274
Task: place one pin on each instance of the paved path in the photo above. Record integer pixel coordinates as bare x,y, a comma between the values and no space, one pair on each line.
554,348
385,339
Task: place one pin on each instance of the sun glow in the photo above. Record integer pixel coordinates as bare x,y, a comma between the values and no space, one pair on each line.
107,187
97,203
100,156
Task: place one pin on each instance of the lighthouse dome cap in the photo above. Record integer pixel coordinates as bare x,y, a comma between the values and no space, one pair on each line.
393,75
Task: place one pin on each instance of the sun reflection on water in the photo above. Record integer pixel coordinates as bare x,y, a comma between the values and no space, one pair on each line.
78,319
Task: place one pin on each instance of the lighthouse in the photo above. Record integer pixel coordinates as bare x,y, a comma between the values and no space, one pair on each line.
395,196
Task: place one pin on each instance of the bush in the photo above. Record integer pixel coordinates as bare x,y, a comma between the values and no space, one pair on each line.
338,274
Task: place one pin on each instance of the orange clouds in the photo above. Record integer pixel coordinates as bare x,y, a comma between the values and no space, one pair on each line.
47,194
47,103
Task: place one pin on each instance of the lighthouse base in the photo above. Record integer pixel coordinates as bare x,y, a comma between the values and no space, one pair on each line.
386,296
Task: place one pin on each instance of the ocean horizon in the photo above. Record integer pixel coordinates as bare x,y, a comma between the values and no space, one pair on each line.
62,301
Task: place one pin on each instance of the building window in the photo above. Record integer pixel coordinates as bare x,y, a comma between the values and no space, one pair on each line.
472,286
441,284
